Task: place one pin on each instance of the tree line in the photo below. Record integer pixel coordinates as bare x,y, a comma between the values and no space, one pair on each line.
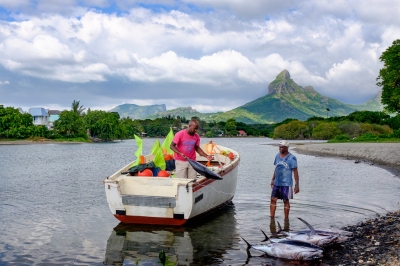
76,124
357,126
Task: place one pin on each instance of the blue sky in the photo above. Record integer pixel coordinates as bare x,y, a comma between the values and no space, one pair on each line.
211,55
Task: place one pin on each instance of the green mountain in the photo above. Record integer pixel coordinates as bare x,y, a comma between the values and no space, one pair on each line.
372,105
285,99
138,112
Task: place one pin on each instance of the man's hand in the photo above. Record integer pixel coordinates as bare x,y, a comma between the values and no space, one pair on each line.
210,157
296,189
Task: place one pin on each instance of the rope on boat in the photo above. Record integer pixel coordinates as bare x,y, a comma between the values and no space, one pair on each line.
218,190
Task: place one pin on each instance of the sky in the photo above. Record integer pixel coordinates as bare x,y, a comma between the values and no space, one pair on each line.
212,55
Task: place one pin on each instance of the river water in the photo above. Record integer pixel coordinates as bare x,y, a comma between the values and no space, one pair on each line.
53,208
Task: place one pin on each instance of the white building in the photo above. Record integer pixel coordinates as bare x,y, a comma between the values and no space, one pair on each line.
40,116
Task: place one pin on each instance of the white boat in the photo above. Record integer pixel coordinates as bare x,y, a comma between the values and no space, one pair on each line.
172,200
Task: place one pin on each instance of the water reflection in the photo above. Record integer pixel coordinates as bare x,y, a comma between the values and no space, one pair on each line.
202,243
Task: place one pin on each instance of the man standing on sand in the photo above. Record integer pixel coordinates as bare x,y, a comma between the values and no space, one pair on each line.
282,182
185,145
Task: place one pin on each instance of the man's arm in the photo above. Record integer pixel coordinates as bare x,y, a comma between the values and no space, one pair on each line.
202,153
175,149
273,180
296,179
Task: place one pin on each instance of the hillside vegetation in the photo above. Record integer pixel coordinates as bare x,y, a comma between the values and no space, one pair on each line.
285,99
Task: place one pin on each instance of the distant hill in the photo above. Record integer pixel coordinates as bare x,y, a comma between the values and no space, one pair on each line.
187,112
372,105
285,99
138,112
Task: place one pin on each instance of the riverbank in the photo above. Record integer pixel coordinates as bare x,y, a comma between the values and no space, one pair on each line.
386,155
29,142
375,241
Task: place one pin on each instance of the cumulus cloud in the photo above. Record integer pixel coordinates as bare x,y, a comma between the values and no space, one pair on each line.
4,82
170,51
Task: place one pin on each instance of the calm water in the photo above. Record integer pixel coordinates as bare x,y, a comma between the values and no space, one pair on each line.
54,212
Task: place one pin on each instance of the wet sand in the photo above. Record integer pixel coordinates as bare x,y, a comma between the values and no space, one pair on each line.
386,155
376,241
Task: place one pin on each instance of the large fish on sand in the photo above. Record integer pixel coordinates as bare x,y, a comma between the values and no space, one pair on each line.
289,249
312,237
343,235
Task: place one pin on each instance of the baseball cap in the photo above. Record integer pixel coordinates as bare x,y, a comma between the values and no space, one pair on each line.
284,143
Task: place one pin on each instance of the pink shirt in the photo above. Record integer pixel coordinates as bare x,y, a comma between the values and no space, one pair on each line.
186,144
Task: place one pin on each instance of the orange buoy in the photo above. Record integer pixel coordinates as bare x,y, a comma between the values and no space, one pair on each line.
142,159
168,157
145,172
163,173
231,156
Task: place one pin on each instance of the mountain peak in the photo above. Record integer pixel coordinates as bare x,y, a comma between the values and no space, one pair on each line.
283,84
284,75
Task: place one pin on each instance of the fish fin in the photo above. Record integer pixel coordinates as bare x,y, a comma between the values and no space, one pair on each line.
309,226
266,237
248,244
279,228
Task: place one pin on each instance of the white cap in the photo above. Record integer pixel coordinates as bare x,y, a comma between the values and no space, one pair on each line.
284,143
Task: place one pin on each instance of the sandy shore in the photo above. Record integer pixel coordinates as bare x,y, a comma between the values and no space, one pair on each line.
376,241
386,155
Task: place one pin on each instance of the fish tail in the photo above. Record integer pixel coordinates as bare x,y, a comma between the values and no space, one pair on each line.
309,226
248,244
266,237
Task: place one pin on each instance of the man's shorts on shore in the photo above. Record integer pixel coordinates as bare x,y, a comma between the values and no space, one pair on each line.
282,192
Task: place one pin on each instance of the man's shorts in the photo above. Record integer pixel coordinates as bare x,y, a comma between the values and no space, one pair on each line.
184,170
282,192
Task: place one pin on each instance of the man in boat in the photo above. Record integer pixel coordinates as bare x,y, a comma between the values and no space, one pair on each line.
282,181
185,145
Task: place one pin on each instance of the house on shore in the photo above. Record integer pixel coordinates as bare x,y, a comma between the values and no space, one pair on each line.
53,116
242,133
40,116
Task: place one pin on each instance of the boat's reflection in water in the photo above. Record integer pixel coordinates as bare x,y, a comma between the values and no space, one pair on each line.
203,242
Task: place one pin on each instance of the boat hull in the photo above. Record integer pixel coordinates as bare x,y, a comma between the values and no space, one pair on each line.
170,201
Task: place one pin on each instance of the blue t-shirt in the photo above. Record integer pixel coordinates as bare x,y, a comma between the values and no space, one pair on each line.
283,169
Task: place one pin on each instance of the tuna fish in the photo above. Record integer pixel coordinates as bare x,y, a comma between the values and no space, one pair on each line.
320,238
289,249
342,234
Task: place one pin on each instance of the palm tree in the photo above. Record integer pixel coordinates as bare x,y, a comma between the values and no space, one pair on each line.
76,108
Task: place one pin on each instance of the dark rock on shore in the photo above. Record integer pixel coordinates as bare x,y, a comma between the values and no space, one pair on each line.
374,242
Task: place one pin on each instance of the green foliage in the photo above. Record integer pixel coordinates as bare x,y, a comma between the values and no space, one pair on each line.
15,125
352,129
396,133
342,137
368,117
293,130
105,125
375,129
326,131
394,122
367,137
158,127
76,108
130,127
230,127
315,118
389,77
69,125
